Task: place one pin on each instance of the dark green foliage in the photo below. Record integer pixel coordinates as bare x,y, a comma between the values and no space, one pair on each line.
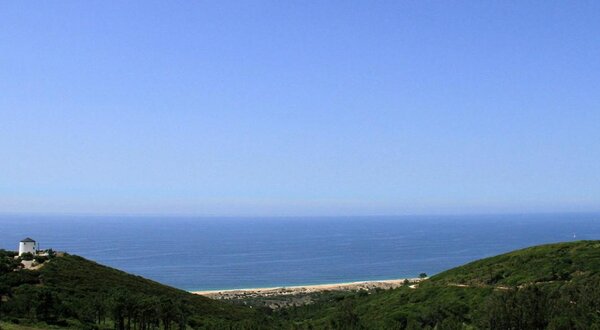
40,259
8,262
27,256
345,316
568,305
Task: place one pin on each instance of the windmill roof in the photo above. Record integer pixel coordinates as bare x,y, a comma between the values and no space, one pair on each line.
27,240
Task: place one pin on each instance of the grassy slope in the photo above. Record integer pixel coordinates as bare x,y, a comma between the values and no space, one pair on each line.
41,326
9,326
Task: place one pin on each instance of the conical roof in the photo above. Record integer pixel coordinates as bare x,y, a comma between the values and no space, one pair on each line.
27,240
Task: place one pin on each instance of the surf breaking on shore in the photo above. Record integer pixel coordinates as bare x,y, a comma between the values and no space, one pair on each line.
304,289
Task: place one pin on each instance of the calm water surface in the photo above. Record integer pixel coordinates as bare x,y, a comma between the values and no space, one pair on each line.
222,253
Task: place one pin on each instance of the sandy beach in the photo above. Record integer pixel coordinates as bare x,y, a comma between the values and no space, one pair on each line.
305,289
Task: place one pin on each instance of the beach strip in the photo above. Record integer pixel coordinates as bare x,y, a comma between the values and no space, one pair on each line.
303,289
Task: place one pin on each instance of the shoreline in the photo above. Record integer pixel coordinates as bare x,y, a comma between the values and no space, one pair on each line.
305,289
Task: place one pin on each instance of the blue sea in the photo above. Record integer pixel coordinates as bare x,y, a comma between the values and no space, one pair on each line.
226,253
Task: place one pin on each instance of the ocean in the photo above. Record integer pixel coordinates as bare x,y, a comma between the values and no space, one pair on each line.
227,253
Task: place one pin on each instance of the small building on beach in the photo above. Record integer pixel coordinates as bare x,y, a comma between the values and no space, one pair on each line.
27,245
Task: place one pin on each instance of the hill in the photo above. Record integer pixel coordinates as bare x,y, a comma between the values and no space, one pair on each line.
555,286
70,291
538,264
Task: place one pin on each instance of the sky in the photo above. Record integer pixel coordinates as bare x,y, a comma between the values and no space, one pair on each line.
299,107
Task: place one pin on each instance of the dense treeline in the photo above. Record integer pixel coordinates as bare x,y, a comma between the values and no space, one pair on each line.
573,305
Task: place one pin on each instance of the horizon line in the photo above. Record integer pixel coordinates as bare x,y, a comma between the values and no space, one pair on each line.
186,215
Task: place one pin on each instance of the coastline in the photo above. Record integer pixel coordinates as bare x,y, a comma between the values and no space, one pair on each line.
305,289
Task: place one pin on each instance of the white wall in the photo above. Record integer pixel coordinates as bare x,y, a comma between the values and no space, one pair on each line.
25,247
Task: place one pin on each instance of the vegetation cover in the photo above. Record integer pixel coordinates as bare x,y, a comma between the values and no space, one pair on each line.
555,286
70,291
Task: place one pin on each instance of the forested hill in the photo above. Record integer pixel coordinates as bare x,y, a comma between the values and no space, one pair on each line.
555,286
538,264
70,291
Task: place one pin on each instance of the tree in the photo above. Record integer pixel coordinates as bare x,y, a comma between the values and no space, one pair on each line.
346,317
422,275
47,306
4,291
117,308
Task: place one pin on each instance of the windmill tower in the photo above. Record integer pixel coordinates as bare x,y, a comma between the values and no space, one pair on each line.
27,245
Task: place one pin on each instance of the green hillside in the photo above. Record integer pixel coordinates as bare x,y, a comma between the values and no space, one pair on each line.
554,286
70,291
544,263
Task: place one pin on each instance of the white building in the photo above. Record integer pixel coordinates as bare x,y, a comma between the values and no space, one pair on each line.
27,245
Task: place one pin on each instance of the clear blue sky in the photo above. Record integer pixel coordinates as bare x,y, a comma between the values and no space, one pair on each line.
299,107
